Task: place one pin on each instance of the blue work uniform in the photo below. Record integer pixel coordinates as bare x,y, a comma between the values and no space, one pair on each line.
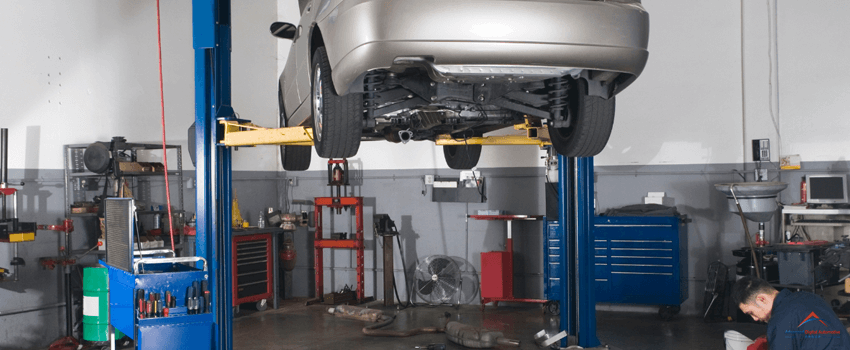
803,320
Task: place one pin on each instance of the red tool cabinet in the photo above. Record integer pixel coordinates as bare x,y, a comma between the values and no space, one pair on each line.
253,269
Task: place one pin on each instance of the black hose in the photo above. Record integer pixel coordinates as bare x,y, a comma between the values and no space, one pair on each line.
404,272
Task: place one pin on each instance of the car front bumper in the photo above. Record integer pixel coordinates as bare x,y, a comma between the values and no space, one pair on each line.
363,35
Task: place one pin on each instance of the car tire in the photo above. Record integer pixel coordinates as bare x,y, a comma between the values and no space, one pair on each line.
293,158
593,119
337,120
462,157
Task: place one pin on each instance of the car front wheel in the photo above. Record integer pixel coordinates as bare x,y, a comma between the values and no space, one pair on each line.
591,121
337,120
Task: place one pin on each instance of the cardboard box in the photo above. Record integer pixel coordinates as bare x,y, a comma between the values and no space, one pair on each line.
790,162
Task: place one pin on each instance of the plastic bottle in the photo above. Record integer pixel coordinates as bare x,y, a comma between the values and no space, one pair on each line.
261,221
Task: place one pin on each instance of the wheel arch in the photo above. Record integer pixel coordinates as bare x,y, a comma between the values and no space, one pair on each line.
316,40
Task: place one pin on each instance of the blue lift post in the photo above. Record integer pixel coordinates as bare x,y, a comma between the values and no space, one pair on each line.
575,211
211,41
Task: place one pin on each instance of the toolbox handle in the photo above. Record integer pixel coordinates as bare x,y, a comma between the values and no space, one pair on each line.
147,252
166,261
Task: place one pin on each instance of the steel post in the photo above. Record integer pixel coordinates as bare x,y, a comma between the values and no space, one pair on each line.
575,211
211,41
585,281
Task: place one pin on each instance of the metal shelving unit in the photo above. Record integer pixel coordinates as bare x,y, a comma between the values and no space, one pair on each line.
78,179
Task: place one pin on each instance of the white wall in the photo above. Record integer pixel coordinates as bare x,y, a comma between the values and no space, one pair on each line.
813,89
685,108
82,71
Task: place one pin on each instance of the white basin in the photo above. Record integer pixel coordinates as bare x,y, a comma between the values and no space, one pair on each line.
758,199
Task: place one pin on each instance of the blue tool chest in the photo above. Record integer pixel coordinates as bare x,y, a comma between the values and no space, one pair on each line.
179,330
552,259
638,260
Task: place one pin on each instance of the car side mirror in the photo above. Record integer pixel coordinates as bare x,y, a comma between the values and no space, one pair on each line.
283,30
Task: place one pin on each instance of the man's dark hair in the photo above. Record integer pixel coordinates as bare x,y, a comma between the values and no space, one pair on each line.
748,287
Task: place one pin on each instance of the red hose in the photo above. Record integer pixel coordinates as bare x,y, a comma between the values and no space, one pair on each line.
162,108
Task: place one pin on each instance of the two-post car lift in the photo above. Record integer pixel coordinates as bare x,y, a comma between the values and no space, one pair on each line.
217,129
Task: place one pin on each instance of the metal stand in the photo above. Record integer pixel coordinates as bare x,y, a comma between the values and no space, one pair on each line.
575,209
497,277
357,243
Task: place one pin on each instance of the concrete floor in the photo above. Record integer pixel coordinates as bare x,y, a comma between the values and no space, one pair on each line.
295,326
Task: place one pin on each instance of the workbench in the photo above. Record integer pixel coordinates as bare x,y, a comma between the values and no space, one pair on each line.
836,219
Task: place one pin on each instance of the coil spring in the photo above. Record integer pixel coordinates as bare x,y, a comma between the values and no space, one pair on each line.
371,84
558,88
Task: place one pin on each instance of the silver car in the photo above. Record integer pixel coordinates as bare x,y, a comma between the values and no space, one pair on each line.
402,70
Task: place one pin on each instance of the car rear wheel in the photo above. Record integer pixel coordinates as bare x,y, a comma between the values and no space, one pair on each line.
337,120
592,119
462,157
293,158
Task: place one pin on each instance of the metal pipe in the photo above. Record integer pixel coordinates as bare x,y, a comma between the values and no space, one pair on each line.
69,318
4,165
23,311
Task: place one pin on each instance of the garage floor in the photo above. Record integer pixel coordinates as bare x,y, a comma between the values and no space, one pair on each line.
295,326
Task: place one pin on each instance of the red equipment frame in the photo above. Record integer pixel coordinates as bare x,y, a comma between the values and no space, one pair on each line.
269,293
320,243
497,277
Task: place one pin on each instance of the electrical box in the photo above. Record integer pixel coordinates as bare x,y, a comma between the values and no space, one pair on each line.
761,150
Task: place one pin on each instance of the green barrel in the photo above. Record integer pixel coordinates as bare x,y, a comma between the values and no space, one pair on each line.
95,304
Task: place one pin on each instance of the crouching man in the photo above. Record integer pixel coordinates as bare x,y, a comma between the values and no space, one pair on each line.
800,320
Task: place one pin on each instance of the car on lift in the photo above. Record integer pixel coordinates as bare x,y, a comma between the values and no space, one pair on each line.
402,70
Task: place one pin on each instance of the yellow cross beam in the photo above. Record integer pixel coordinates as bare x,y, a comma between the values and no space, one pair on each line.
446,140
536,134
238,134
247,134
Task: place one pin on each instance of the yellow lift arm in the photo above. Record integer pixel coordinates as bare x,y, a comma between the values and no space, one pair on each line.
247,134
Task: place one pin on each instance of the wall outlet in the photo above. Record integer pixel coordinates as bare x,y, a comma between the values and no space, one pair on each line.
761,175
293,181
429,179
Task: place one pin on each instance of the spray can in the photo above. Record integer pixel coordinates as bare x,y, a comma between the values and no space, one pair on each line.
803,190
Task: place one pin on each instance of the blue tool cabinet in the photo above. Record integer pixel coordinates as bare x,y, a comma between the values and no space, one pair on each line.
177,331
638,260
552,256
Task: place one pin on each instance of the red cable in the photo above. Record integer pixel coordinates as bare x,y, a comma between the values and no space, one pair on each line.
162,106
